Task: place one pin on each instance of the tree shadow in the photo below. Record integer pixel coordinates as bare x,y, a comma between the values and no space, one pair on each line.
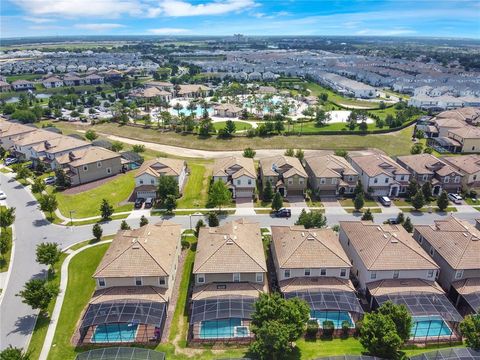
24,325
41,222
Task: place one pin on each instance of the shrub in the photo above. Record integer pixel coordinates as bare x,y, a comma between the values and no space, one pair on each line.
345,327
328,328
185,244
312,329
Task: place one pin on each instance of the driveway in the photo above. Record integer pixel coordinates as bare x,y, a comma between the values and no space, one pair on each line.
244,206
332,206
297,204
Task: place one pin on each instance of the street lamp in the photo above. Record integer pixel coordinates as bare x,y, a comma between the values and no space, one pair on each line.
71,217
194,214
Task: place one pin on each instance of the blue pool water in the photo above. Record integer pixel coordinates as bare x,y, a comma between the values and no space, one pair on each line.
337,317
115,333
198,112
430,326
225,328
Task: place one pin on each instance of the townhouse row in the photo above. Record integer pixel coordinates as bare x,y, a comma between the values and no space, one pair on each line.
435,274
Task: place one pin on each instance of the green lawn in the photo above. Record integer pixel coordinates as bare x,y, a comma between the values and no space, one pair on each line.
348,202
317,89
195,191
239,126
87,203
5,259
79,290
28,77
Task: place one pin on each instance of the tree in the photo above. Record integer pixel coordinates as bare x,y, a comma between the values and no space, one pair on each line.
312,219
37,293
91,135
400,316
219,194
299,154
167,185
358,202
416,148
407,225
38,186
48,203
61,179
106,210
470,329
289,152
7,218
378,335
199,225
412,188
367,215
271,341
138,148
48,253
229,128
124,225
170,203
22,172
97,231
267,193
418,201
249,153
277,202
400,218
117,146
427,190
12,353
213,219
341,153
358,188
143,221
442,201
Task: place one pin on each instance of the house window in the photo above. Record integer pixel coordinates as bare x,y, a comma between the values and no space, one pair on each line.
446,179
323,272
373,275
200,278
138,281
259,277
375,180
402,177
420,239
474,177
430,273
290,181
152,182
323,181
161,280
236,277
458,274
239,182
85,167
396,273
99,164
386,180
300,181
286,273
425,177
334,180
109,170
101,282
140,182
432,251
343,272
249,181
307,272
457,179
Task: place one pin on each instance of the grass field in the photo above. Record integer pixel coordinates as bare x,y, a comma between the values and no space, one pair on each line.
239,125
5,258
317,89
195,191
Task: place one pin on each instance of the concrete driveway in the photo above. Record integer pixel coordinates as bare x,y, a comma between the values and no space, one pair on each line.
297,204
244,206
332,206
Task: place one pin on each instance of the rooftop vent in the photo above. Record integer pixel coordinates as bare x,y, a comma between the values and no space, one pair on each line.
379,228
465,234
303,234
474,238
385,236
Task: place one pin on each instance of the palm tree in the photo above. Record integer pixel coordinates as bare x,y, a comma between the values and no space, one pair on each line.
191,107
178,107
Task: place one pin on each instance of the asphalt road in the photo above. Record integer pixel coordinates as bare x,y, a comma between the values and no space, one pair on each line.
17,319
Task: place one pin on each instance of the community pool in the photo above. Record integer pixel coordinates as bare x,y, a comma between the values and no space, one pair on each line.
223,329
337,317
115,333
429,326
198,112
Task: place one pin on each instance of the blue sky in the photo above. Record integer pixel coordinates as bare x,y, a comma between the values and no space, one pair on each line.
439,18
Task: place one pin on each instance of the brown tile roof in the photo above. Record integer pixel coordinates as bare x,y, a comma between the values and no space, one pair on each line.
162,166
234,247
191,88
468,164
8,128
298,248
467,286
466,132
116,293
64,143
457,241
228,107
427,164
330,166
151,92
35,137
214,290
87,156
221,166
386,247
395,286
461,114
315,283
377,164
280,161
146,251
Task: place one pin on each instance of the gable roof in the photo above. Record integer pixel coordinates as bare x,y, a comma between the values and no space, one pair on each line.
35,137
162,166
330,166
386,247
8,128
468,164
235,247
146,251
297,247
426,164
457,241
269,164
376,164
87,155
246,165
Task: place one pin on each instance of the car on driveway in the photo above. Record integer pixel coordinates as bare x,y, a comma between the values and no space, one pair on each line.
148,203
283,213
385,200
3,196
139,203
392,221
10,161
50,180
455,198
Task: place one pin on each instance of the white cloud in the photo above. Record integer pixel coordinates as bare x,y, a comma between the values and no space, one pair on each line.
178,8
46,27
385,32
168,31
37,20
98,27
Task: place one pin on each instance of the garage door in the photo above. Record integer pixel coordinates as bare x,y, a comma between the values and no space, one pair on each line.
244,193
146,194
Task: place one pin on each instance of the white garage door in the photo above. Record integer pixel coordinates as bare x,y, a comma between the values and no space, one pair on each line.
146,194
244,193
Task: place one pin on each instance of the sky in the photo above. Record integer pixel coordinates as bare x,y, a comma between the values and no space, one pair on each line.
433,18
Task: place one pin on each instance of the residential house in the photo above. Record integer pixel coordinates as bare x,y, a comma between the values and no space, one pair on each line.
229,275
94,79
285,173
52,149
146,179
152,92
4,86
89,164
469,167
428,168
468,138
73,80
11,131
330,175
134,283
238,173
192,90
311,264
381,175
454,244
25,146
52,82
23,85
227,110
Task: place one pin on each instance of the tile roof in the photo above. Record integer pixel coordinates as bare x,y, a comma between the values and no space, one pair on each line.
290,163
377,164
330,166
467,286
137,293
146,251
427,164
466,132
87,156
35,137
191,88
228,107
386,247
214,290
457,241
469,164
247,167
395,286
162,166
64,143
8,128
315,283
234,247
299,248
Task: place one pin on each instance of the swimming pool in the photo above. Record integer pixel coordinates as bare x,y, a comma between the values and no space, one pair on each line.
429,326
222,329
198,112
115,333
337,317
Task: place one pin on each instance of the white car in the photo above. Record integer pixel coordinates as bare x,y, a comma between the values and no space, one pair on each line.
3,196
455,198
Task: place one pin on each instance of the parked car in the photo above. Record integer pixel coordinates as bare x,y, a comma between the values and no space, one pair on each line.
3,196
51,180
392,221
285,213
10,161
455,198
139,202
148,203
385,200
